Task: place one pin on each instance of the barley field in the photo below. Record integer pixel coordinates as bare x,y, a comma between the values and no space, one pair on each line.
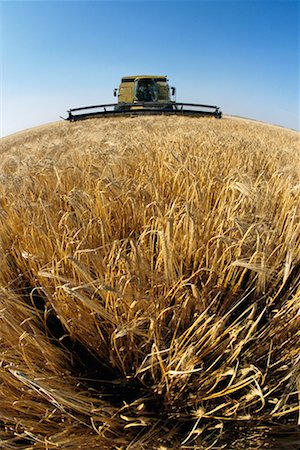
149,284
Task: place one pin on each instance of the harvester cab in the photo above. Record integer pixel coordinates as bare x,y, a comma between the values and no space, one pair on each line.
144,88
144,95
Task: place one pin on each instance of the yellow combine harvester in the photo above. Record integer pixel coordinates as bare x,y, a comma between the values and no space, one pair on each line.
142,95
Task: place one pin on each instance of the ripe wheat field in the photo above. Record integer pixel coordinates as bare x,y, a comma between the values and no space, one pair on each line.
149,284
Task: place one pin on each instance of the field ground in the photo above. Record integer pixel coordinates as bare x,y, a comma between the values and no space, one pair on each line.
150,285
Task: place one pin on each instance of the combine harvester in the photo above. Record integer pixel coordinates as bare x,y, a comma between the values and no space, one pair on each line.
144,95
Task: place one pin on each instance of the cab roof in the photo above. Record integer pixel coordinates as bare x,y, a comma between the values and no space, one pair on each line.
134,77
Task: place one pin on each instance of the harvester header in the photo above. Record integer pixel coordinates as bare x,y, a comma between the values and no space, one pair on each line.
144,95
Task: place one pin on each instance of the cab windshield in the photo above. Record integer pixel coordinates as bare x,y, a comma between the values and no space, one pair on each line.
146,90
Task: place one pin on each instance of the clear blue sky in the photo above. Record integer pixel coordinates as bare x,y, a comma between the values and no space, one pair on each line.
241,55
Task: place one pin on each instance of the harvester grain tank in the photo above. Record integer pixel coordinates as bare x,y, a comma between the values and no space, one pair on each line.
144,95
